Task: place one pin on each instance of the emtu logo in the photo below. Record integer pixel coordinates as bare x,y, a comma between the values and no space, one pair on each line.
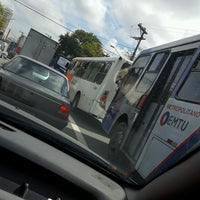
164,118
173,121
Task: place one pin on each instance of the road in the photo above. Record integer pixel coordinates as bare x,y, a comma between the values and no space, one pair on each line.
87,130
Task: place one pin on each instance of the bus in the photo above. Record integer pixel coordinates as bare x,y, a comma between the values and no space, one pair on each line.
154,119
94,82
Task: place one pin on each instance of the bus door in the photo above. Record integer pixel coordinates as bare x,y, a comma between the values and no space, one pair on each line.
177,129
161,90
136,96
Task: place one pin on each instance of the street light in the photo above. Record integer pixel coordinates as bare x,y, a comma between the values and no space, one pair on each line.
115,50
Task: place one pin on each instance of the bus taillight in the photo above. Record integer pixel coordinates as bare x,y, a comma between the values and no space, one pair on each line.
141,101
103,99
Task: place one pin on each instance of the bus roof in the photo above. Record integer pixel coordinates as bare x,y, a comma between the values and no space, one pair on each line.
188,40
102,59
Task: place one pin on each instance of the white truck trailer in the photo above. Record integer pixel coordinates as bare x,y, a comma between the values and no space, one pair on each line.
39,47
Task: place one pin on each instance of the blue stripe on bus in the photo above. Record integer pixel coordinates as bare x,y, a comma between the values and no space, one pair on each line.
172,158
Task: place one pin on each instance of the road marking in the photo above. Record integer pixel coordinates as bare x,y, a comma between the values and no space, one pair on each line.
96,136
80,134
77,131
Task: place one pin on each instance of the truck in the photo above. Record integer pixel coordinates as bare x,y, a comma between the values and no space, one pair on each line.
39,47
60,63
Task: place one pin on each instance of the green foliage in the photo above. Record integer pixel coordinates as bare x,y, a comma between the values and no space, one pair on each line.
2,17
79,43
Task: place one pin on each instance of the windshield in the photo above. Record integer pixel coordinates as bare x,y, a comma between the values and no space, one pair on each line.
38,74
138,127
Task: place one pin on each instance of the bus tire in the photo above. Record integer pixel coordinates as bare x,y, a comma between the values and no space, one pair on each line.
117,135
75,101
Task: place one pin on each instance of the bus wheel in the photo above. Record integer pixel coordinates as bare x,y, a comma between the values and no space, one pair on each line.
75,101
117,134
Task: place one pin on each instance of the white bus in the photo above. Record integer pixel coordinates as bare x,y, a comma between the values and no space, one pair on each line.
93,82
156,121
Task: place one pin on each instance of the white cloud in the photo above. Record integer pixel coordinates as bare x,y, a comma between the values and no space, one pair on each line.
112,21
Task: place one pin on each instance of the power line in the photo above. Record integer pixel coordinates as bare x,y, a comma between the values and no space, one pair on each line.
59,24
30,8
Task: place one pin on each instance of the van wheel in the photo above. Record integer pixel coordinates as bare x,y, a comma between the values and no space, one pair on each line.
75,101
117,135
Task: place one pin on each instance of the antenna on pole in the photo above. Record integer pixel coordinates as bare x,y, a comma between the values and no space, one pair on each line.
142,32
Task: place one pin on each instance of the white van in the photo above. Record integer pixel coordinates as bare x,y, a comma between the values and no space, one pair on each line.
93,82
160,111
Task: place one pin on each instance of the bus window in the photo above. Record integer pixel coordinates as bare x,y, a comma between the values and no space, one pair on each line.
95,67
79,69
133,75
92,71
102,73
122,73
190,89
141,61
179,63
151,72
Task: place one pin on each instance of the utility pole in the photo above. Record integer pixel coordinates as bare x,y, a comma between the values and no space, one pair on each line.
142,32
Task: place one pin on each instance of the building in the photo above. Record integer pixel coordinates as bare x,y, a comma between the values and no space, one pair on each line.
8,14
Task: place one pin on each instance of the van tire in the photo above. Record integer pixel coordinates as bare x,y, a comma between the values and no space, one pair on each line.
75,101
117,135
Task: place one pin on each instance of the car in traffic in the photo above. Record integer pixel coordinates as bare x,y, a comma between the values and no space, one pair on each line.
3,49
36,88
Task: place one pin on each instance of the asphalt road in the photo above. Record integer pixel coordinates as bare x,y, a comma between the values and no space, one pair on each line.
87,130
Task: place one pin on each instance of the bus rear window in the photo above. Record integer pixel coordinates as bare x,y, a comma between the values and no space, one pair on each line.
190,89
92,71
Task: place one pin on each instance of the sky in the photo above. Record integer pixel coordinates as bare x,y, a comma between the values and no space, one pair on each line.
114,22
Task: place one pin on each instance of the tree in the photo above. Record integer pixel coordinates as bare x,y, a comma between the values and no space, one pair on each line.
79,43
2,17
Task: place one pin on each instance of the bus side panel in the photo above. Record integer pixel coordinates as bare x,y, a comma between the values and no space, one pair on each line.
109,88
175,133
88,92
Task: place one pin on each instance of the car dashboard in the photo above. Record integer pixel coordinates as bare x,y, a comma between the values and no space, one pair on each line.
32,169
